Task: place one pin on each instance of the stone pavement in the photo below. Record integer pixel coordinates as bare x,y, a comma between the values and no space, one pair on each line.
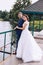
13,61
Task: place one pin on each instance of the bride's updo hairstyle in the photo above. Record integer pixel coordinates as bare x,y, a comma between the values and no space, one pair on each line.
26,16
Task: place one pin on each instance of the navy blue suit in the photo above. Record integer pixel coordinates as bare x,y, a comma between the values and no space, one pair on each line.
18,31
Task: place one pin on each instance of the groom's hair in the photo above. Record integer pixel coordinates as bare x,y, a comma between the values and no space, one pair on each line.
20,14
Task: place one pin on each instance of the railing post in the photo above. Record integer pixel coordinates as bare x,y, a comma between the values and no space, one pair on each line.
33,26
11,42
39,22
4,46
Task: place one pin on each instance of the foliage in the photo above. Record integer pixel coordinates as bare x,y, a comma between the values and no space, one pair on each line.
4,15
37,26
18,6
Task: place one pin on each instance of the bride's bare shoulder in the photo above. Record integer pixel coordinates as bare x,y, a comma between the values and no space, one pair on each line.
26,22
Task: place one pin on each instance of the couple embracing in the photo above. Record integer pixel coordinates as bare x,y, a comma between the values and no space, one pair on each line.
26,47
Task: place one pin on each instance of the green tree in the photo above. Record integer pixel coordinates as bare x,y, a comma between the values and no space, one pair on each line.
4,15
18,6
0,13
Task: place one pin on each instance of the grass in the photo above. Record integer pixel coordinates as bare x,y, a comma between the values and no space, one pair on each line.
38,25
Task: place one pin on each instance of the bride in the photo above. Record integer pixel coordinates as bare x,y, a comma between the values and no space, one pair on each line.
28,49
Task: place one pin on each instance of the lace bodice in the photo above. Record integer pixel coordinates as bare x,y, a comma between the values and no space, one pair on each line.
27,24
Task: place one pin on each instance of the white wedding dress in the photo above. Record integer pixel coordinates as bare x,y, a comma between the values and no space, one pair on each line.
28,49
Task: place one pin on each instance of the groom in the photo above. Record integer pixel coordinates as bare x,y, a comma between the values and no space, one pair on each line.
18,31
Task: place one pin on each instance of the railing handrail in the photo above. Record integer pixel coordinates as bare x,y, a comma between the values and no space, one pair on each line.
7,31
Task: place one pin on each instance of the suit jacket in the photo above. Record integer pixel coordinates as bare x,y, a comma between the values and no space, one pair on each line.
20,23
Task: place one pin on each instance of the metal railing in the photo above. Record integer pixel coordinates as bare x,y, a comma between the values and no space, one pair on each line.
5,52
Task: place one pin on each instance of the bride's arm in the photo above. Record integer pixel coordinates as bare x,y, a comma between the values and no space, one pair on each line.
22,28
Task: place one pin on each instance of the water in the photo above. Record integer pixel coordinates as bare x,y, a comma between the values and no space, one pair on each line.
5,26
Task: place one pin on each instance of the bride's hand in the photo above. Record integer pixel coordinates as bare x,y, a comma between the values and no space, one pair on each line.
16,27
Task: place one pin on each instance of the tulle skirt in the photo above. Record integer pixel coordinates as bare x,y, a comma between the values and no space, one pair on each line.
28,49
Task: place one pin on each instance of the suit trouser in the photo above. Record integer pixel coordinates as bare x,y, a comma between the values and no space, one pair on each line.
18,37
